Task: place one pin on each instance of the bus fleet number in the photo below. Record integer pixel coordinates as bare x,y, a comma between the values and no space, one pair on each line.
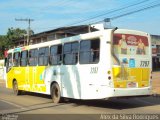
144,64
94,70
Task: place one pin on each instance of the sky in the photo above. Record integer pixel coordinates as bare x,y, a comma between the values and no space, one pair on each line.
51,14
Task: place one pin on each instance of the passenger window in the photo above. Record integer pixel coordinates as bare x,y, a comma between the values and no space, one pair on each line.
89,51
56,55
70,53
9,61
43,57
33,55
24,56
16,59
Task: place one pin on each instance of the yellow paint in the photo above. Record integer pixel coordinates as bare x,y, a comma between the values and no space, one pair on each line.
28,78
122,76
31,78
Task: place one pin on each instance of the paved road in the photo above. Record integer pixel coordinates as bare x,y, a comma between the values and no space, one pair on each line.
34,104
156,82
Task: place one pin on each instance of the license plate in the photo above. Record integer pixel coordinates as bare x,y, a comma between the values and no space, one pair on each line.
131,84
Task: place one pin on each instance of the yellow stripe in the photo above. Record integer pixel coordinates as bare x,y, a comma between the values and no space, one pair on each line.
28,78
123,76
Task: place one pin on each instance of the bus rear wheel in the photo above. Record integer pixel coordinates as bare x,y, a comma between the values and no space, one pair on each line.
15,88
55,93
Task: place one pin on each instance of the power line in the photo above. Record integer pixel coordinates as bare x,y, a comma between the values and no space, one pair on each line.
119,9
112,11
99,15
132,12
128,13
148,7
135,8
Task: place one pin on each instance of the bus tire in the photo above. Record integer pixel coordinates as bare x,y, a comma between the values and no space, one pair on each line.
15,88
55,93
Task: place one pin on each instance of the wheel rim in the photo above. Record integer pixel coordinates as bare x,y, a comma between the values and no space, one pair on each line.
55,94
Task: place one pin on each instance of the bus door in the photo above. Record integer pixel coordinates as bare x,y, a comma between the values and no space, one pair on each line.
9,70
131,69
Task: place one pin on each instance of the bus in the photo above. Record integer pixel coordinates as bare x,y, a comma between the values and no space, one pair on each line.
96,65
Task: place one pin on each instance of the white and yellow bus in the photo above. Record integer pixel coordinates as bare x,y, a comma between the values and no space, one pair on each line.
96,65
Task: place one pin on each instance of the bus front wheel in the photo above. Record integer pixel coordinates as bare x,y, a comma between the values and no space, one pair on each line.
55,93
15,88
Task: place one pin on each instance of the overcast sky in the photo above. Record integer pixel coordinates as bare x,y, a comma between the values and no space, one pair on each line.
51,14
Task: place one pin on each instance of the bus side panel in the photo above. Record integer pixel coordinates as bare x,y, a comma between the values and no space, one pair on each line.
71,82
18,74
36,82
94,78
28,78
39,83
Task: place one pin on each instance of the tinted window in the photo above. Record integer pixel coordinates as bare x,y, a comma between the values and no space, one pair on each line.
85,45
56,55
9,60
43,56
89,51
70,51
33,55
24,56
16,59
67,48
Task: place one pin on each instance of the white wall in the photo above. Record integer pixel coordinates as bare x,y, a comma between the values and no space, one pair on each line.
2,70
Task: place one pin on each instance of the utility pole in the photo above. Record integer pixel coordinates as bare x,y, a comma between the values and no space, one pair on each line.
28,30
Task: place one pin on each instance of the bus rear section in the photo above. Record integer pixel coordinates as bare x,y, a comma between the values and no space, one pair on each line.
131,63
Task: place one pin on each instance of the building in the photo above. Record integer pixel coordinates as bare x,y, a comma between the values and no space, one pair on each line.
155,52
55,34
2,70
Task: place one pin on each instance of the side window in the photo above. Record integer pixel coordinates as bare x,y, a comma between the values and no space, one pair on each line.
56,55
9,60
24,56
43,56
89,51
16,59
33,55
70,53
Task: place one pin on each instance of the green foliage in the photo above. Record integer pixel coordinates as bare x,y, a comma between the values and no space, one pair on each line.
2,44
14,34
6,41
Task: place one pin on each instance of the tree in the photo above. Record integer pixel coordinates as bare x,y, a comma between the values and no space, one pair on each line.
14,34
6,41
2,45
